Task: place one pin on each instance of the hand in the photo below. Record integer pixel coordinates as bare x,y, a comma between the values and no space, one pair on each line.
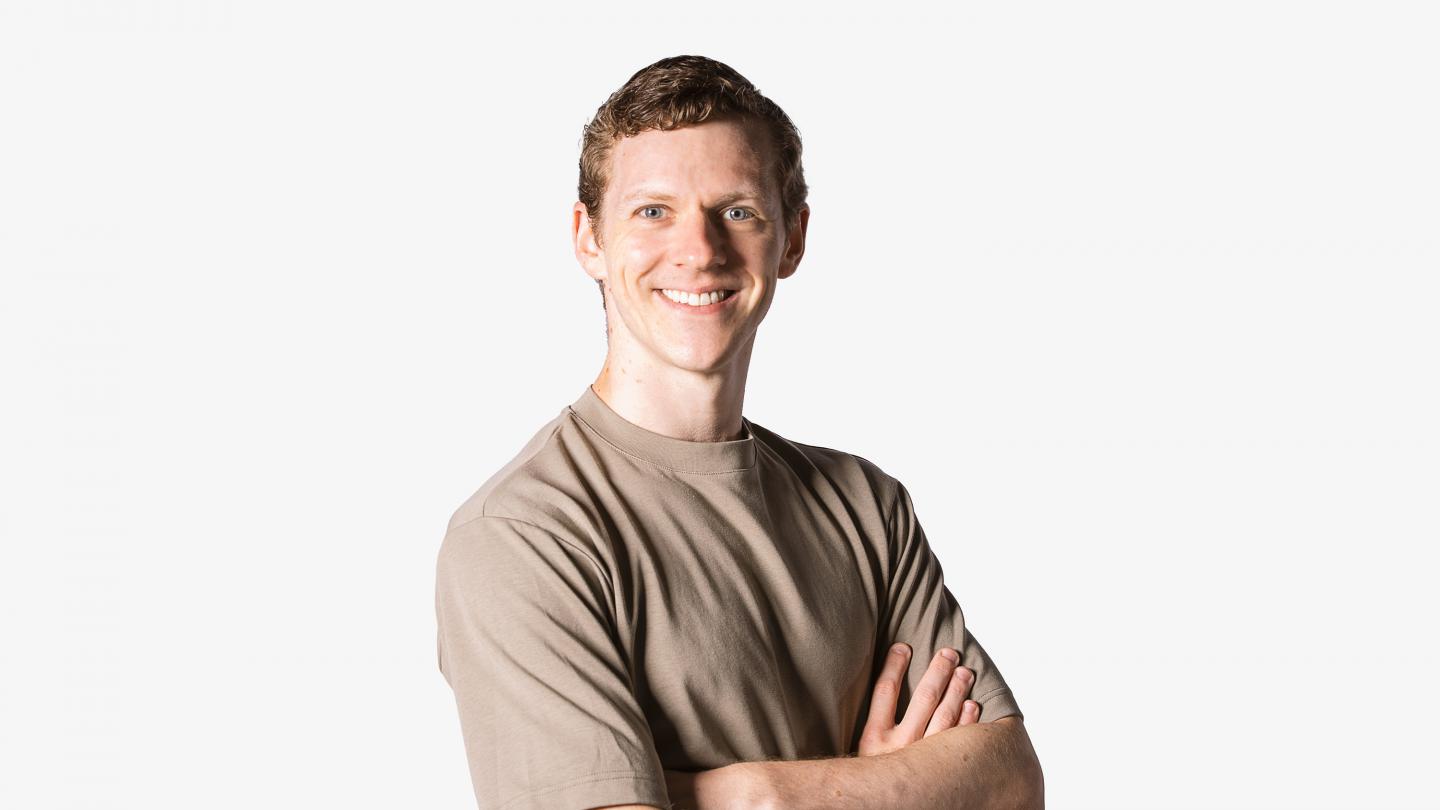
938,703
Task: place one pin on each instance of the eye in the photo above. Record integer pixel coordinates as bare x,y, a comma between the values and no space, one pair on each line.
654,208
747,212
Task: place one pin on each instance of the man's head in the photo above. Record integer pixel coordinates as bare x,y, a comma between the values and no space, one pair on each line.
680,91
689,179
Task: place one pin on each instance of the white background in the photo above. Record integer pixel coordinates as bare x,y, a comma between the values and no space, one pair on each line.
1138,299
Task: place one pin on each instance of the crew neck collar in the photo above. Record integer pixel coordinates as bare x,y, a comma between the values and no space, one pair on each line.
676,454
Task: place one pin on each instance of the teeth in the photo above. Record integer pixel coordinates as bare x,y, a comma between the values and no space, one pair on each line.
697,299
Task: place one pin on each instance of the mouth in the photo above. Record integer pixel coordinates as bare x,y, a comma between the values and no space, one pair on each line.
710,301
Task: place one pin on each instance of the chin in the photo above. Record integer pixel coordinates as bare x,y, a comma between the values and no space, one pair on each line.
700,363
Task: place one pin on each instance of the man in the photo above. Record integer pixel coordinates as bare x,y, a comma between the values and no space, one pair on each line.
658,600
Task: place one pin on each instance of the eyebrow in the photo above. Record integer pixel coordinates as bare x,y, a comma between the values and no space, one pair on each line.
656,194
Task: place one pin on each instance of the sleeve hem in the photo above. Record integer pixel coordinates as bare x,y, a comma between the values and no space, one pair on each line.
595,790
1001,703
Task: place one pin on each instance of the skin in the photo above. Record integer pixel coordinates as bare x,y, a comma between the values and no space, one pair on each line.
714,219
700,207
939,703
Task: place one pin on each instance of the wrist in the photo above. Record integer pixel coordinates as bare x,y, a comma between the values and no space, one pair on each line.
804,784
743,786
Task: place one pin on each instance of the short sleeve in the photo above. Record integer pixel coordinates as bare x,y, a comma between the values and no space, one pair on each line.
527,641
923,613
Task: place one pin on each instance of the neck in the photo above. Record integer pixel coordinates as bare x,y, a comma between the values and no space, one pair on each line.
679,403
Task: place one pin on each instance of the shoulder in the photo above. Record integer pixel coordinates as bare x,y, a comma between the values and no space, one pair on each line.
853,474
525,514
532,488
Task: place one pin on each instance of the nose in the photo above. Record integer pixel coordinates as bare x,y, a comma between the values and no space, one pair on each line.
699,242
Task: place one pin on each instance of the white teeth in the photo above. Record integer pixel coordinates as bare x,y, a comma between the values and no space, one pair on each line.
696,299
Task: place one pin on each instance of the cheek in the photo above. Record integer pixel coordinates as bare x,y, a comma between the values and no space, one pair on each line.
637,255
775,249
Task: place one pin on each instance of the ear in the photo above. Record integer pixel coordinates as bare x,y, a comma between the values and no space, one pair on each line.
587,247
795,244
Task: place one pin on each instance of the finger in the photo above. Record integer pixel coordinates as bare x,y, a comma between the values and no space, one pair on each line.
928,694
887,688
970,710
947,714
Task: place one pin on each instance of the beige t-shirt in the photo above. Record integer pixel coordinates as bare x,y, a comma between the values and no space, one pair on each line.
614,603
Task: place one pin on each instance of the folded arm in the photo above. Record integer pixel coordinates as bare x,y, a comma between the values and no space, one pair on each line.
980,765
990,765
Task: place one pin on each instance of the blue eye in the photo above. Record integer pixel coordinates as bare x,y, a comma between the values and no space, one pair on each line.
642,211
748,214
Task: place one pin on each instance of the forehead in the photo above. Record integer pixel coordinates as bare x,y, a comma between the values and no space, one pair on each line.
715,157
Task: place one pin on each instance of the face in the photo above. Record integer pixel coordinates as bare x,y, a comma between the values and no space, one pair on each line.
687,213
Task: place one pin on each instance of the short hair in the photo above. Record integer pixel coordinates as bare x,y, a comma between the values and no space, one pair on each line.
680,91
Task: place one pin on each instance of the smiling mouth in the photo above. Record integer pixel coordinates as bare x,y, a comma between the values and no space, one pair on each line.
697,300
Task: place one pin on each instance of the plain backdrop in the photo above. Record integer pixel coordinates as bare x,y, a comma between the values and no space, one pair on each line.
1138,299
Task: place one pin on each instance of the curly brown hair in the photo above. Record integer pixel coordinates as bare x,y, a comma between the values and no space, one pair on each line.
680,91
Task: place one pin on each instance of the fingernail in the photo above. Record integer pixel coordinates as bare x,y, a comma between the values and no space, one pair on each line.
901,649
950,655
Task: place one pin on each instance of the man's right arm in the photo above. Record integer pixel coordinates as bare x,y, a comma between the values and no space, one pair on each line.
526,639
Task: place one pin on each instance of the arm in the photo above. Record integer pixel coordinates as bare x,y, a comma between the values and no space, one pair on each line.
988,764
979,765
991,765
921,611
997,768
546,703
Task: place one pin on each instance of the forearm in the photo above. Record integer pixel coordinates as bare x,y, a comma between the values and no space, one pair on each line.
982,765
